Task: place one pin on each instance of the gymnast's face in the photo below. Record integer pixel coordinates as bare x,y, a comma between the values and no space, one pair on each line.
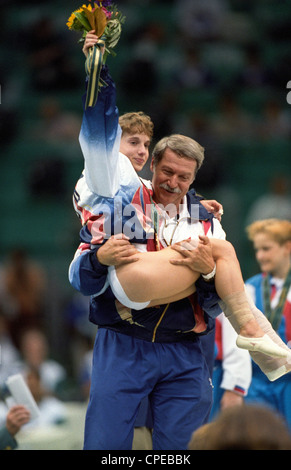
172,177
136,148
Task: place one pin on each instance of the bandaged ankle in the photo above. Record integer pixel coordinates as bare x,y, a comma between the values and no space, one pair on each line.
237,310
119,293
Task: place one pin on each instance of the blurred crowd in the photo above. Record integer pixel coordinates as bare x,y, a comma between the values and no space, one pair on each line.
216,71
27,348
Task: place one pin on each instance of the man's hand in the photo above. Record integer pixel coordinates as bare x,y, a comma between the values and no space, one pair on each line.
116,251
17,416
213,207
197,255
90,41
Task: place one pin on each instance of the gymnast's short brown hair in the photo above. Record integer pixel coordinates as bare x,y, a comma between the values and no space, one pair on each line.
136,123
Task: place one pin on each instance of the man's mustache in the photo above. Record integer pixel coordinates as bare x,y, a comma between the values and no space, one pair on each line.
171,190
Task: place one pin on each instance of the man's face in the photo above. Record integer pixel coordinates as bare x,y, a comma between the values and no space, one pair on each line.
136,148
172,177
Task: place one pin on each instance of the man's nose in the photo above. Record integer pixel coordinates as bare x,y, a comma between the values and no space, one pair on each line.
172,181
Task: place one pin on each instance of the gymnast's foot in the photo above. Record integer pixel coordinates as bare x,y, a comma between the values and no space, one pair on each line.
253,338
262,344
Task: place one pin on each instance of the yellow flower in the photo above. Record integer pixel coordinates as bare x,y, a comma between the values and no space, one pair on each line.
75,21
86,7
71,21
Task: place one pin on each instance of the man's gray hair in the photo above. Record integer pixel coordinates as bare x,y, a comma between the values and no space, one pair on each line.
183,146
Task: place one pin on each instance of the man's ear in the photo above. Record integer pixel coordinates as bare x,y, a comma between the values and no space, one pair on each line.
152,164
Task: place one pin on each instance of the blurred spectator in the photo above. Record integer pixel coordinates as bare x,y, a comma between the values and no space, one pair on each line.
243,428
212,173
52,410
255,74
275,122
147,41
9,354
140,74
193,73
56,125
49,57
16,417
24,289
201,20
35,355
276,203
231,122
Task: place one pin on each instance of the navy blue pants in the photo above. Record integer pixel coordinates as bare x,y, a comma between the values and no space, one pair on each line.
175,376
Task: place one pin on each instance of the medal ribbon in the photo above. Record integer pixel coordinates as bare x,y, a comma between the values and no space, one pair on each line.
93,66
274,315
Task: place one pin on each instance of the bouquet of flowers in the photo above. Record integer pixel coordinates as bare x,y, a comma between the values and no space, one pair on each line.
106,20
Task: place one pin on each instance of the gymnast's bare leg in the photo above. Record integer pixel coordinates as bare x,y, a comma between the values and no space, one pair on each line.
155,279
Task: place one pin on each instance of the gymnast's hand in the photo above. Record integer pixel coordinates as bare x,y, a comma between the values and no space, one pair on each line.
197,255
90,41
116,251
213,207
